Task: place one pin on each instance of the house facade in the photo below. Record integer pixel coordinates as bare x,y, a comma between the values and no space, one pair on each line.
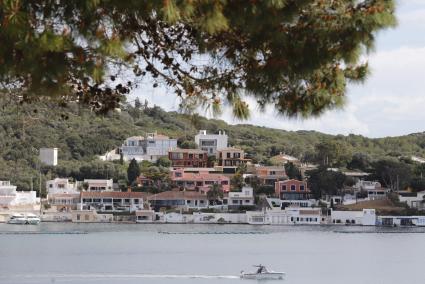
112,201
292,190
193,158
230,159
244,198
184,200
61,186
201,182
211,143
149,147
98,185
270,175
64,202
10,197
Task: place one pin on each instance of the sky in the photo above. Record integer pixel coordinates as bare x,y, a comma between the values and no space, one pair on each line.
390,103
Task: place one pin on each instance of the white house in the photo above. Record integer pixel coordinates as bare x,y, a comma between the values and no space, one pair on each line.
98,184
211,142
49,156
245,197
366,217
61,186
9,196
413,200
149,147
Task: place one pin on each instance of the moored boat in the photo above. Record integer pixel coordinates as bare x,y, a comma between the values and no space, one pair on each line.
263,273
17,218
32,219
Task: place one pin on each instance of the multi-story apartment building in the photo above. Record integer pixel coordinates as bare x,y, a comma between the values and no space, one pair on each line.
211,143
230,159
193,158
150,148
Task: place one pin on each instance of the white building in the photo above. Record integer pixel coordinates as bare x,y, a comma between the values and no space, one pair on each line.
61,186
149,148
245,197
366,217
10,197
413,200
98,185
49,156
211,142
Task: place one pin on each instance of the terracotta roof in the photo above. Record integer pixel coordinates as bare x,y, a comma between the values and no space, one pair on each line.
200,177
191,151
173,195
64,195
231,149
113,194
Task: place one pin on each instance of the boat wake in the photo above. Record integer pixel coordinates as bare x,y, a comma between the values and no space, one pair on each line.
118,276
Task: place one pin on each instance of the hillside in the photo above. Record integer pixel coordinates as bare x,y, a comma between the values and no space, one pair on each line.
81,135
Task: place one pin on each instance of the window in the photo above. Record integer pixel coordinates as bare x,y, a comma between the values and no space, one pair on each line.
237,155
201,156
293,187
136,201
224,182
50,185
228,155
283,187
78,217
127,200
201,202
178,174
107,200
190,156
235,201
302,187
246,200
188,201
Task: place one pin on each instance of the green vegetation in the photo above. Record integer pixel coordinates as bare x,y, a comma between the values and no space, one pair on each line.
296,55
81,135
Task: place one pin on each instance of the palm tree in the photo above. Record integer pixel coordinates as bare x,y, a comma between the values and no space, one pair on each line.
215,193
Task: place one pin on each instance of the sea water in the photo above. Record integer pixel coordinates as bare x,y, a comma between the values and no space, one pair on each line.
141,253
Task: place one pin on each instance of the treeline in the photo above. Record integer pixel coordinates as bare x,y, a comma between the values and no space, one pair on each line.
81,135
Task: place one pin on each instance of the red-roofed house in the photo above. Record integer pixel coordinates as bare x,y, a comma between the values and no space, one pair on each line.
201,181
292,190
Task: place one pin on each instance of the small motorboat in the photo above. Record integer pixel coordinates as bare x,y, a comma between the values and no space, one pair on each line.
17,218
263,273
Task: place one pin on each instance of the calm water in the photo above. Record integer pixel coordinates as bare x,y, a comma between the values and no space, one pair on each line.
111,253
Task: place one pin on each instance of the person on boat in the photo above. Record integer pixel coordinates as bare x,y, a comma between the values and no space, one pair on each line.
260,269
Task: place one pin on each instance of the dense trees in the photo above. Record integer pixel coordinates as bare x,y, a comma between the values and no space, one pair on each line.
322,181
133,171
83,136
297,55
292,171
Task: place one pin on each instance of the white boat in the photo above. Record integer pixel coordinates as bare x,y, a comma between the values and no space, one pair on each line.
32,219
263,274
19,218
